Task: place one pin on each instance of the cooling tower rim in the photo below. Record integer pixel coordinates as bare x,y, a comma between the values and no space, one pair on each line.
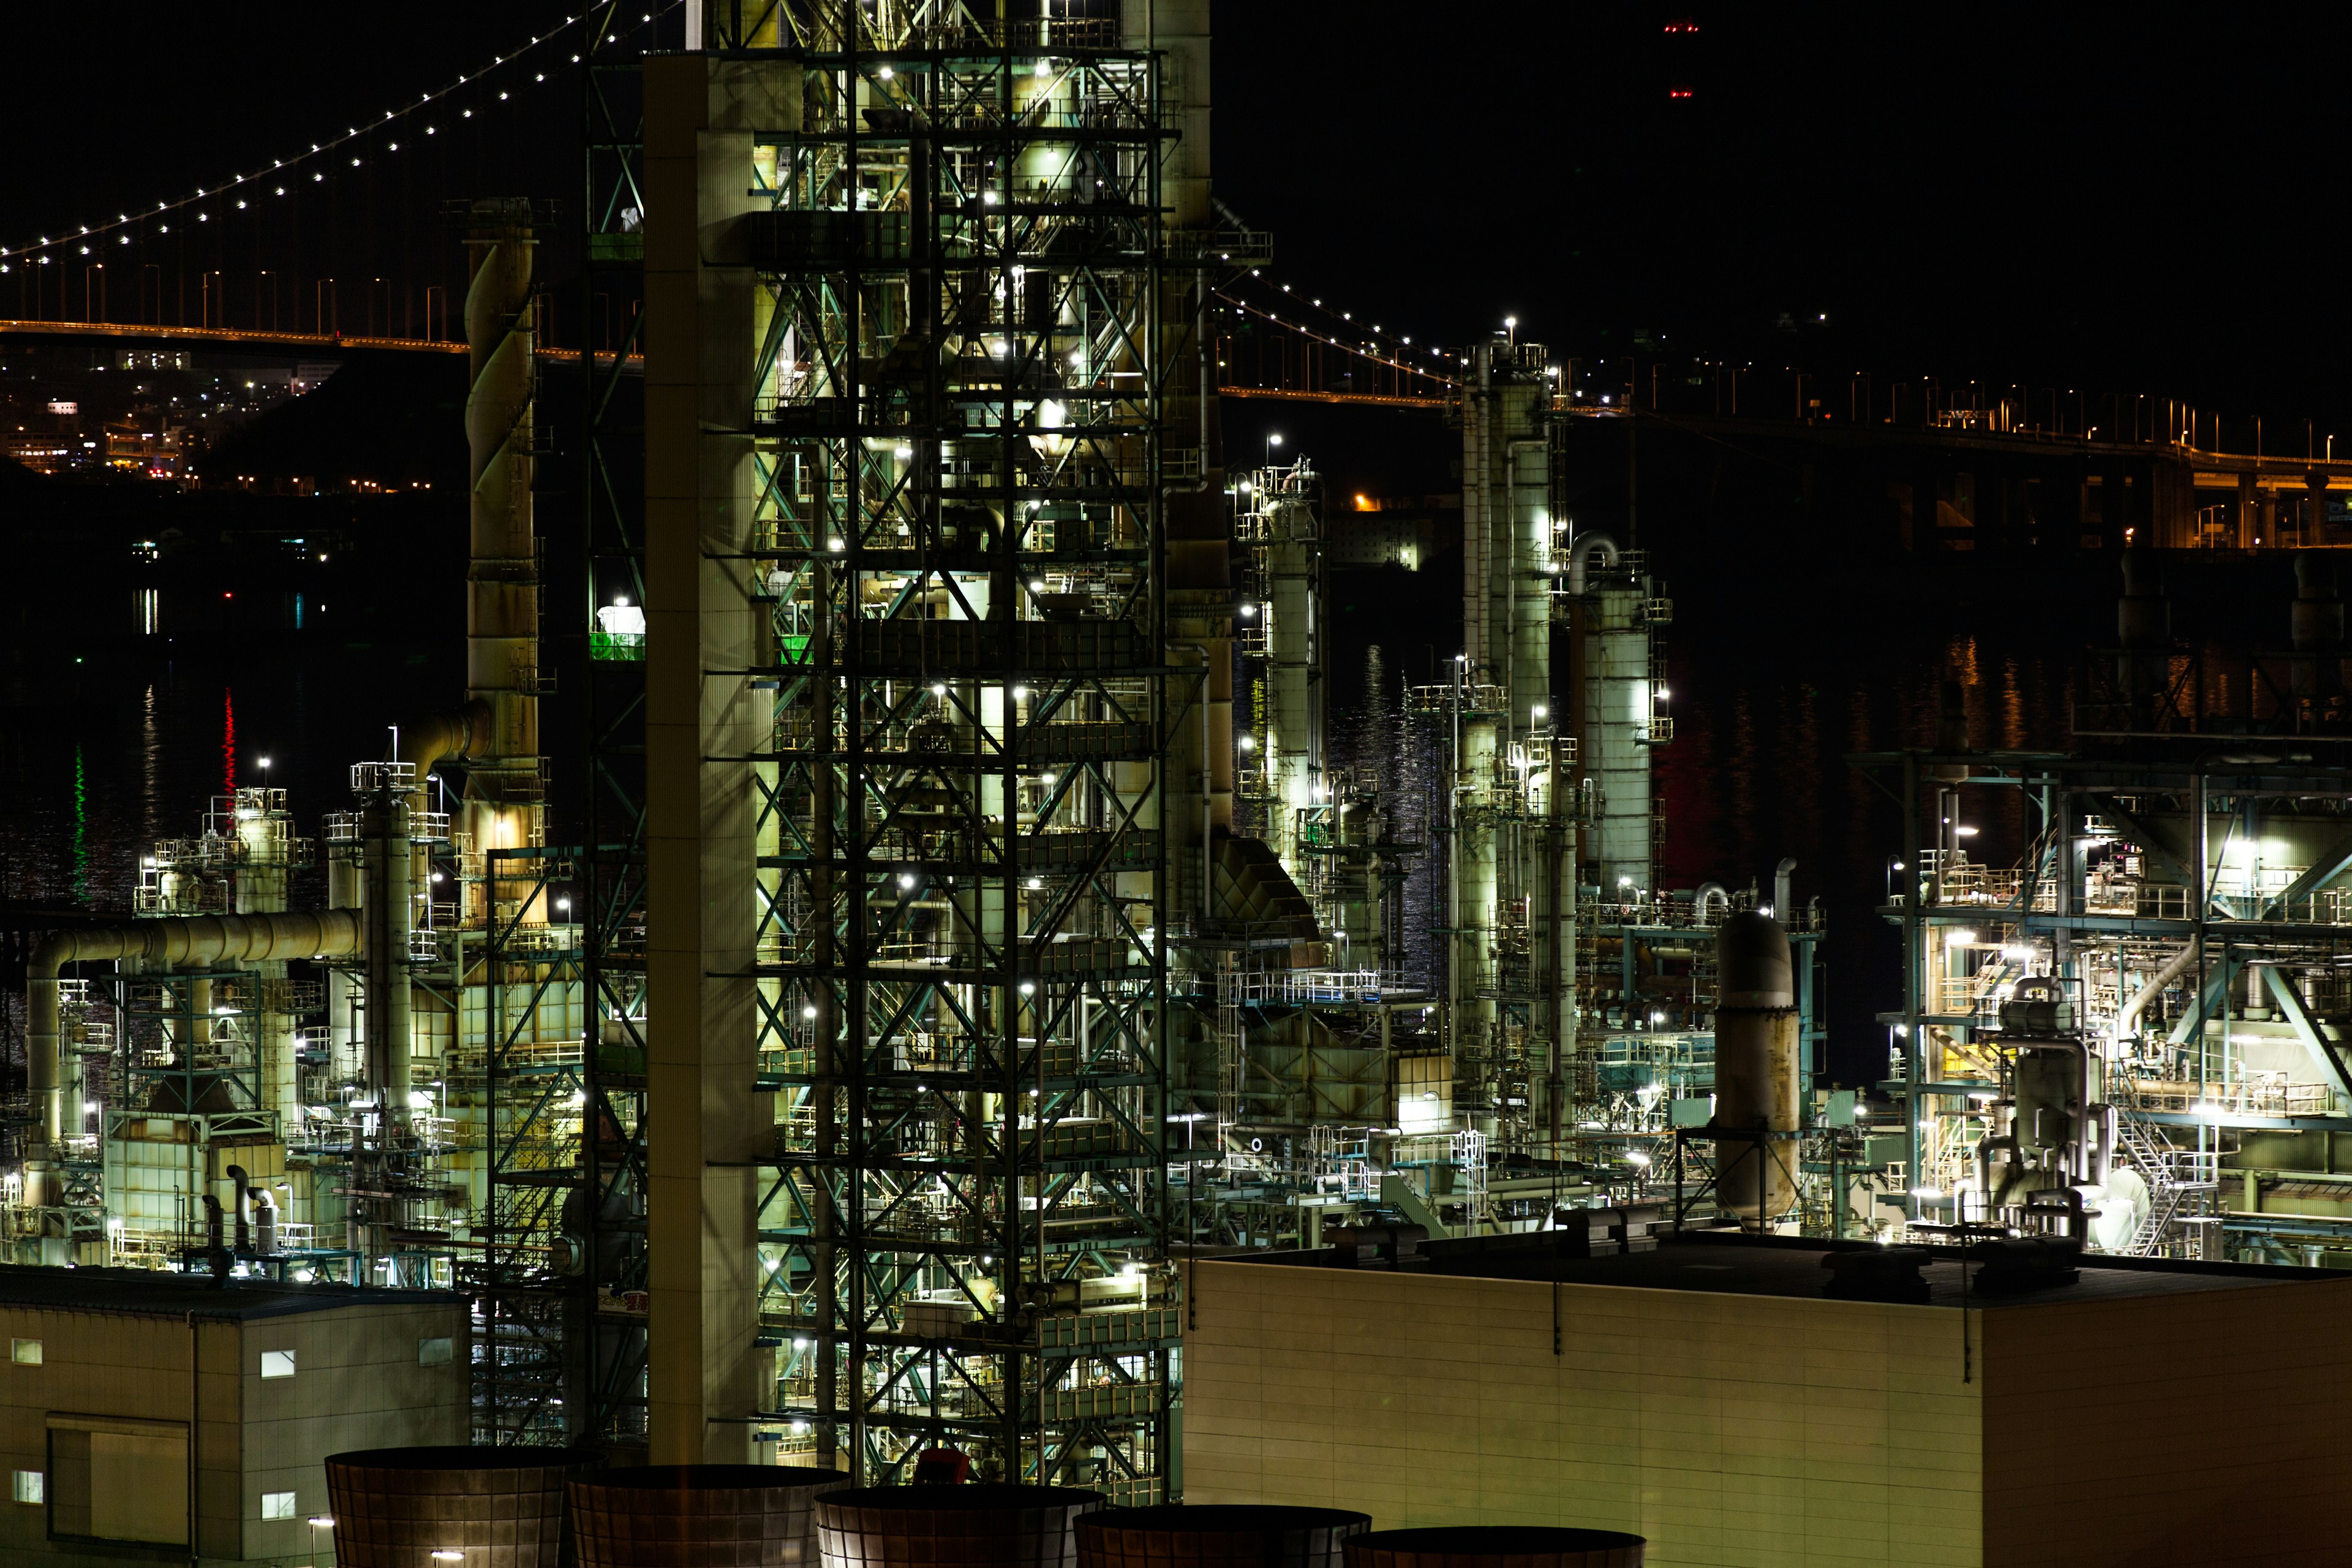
1224,1518
462,1456
683,1479
974,1498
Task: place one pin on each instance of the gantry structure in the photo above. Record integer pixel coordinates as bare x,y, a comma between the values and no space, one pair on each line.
921,379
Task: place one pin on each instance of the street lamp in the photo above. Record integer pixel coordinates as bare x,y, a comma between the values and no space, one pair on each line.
1272,441
319,1521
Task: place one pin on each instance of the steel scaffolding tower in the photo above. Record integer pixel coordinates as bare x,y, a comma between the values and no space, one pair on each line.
923,583
606,1395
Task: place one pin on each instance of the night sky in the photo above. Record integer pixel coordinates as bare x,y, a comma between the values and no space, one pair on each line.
2128,198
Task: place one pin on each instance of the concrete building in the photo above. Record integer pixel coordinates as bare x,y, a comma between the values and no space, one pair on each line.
110,1372
1709,1392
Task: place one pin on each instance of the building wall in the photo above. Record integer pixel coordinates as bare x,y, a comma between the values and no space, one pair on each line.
2207,1428
358,1383
1728,1430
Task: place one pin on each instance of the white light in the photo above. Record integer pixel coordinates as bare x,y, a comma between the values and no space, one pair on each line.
808,1012
940,690
1019,692
1964,832
1027,989
1540,710
1051,414
1625,881
1274,440
906,878
1635,1157
834,544
1035,883
1959,939
1038,584
2017,952
1045,778
1247,743
1248,611
1510,321
1927,1193
884,73
904,452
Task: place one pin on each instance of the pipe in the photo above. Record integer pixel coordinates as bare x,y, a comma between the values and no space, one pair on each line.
2174,968
1781,874
244,1194
1707,890
1581,553
164,943
1208,781
265,1223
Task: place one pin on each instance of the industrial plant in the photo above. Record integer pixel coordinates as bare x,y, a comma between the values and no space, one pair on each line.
950,1005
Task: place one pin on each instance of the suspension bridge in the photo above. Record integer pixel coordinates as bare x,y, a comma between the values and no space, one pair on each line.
352,240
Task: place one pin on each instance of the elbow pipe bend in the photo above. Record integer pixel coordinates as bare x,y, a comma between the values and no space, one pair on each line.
1581,553
167,943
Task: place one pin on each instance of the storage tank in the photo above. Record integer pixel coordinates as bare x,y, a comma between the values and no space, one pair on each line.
1495,1546
1757,1069
503,1507
987,1525
699,1515
1218,1536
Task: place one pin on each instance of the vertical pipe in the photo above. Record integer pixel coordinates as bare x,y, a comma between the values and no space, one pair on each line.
1913,971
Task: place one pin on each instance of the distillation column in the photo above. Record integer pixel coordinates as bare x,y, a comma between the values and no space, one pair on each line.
1507,557
1294,611
1620,722
503,780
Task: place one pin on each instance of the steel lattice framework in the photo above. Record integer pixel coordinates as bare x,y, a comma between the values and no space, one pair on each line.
962,984
605,1397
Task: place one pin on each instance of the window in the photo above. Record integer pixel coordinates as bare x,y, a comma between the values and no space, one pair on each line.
278,1504
29,1485
433,1353
276,1364
24,1352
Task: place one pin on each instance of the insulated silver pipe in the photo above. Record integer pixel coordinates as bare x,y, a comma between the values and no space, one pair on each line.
166,943
2174,968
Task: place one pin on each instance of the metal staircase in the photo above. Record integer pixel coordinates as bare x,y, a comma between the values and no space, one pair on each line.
2180,1185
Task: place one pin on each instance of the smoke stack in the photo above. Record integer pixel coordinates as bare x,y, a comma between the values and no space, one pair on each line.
244,1187
215,1254
265,1223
